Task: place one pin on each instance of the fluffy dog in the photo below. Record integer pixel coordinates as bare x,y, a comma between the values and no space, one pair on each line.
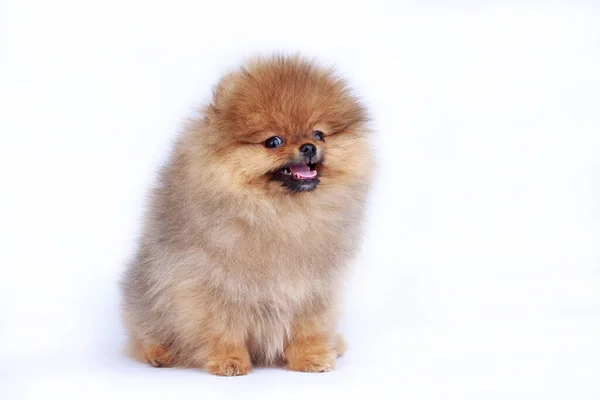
249,231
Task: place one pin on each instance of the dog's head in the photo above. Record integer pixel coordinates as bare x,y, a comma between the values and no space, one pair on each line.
286,125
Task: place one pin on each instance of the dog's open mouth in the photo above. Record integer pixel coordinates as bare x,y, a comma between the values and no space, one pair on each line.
299,171
298,177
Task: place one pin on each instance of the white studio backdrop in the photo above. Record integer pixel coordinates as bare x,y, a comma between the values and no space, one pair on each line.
480,273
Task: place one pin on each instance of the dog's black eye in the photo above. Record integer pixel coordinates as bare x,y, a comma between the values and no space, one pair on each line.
273,142
318,135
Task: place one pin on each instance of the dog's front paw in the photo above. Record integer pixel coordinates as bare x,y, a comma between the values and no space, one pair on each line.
159,356
232,366
312,363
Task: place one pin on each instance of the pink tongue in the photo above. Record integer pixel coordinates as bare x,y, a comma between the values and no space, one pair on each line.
302,171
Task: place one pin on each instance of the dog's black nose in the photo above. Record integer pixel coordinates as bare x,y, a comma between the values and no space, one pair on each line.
308,149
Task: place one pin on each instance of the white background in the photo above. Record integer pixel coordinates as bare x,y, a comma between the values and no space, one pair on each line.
480,273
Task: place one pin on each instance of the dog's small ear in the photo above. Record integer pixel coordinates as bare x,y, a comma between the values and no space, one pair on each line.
222,93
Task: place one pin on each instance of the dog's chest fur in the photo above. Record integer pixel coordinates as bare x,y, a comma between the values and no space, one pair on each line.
294,265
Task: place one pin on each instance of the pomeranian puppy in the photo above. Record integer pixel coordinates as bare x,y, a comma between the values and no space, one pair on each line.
248,233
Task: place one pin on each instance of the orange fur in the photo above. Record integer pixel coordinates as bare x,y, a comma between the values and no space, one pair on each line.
227,359
232,268
310,354
311,347
158,355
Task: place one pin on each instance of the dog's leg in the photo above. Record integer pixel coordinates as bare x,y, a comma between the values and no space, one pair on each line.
310,347
220,343
228,358
158,355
